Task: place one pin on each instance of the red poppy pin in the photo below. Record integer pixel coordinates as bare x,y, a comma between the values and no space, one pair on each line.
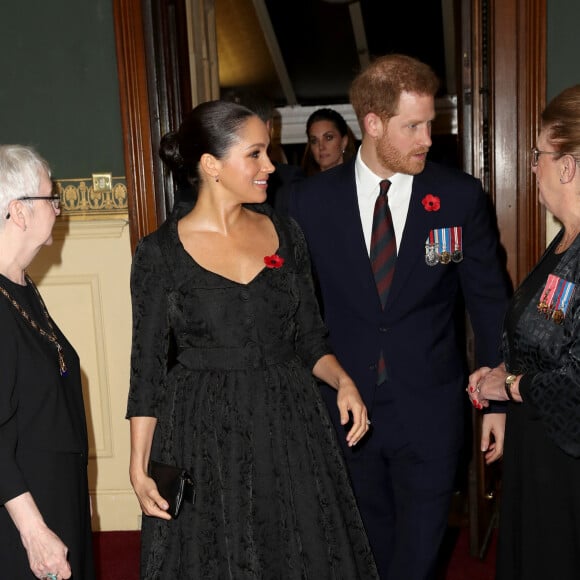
273,261
431,202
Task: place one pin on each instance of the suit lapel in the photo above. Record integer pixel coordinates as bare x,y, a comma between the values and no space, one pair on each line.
354,251
412,249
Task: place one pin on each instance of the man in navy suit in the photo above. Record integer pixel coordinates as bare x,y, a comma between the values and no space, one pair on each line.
447,256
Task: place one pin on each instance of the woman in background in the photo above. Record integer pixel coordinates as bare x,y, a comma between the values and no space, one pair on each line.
539,535
45,522
330,141
226,338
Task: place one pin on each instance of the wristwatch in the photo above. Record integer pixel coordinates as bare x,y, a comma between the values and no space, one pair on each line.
509,381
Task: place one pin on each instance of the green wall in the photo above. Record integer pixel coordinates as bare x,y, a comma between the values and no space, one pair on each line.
58,84
563,68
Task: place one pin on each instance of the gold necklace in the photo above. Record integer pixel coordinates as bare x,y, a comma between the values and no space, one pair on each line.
50,336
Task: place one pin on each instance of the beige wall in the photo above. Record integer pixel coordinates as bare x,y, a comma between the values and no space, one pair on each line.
84,279
552,227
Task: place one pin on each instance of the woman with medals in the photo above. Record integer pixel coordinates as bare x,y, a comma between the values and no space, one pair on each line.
45,521
539,534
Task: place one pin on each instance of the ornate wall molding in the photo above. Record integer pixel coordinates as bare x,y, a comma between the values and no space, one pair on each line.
78,198
82,293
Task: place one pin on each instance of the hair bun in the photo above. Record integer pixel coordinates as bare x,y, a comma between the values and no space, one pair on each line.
169,151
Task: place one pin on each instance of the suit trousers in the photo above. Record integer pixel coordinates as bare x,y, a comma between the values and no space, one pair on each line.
403,495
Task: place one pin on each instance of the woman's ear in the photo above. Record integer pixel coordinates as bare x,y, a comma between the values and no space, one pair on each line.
567,169
16,213
210,166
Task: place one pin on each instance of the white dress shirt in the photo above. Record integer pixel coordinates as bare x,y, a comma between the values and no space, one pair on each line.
367,191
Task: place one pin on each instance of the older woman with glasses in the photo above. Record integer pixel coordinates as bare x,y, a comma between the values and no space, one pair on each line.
539,534
45,510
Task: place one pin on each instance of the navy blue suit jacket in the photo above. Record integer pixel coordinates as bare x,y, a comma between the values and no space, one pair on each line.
417,331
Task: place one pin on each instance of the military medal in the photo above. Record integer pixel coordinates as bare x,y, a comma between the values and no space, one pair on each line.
431,255
431,258
563,295
444,237
457,244
443,246
556,298
543,303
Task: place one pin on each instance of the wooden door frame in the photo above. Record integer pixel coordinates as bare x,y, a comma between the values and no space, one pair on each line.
144,216
504,84
155,90
503,93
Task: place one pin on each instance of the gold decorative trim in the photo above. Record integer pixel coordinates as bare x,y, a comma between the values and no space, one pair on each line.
80,199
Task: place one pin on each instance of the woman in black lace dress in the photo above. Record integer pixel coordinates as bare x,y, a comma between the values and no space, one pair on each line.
539,535
226,338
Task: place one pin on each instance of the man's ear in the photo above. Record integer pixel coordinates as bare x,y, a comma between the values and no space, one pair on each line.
374,126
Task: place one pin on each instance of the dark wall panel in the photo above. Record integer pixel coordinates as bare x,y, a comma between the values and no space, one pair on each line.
563,45
58,84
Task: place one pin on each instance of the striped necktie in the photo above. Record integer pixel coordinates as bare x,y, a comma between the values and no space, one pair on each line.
383,256
383,252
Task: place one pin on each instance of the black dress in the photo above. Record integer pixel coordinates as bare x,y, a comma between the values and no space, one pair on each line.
43,436
238,406
539,536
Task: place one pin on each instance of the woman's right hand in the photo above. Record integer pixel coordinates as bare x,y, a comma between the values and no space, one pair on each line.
46,553
152,504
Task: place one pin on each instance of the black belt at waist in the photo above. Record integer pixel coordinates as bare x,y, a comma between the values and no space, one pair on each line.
251,356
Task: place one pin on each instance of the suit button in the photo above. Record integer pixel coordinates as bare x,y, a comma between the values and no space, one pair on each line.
383,329
244,295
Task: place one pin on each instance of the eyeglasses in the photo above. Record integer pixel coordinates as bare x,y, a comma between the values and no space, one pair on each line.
536,155
53,199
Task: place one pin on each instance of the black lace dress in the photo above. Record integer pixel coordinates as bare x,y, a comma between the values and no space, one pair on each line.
539,535
226,369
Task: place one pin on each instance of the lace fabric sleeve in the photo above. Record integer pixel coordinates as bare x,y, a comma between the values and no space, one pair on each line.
151,332
311,332
555,394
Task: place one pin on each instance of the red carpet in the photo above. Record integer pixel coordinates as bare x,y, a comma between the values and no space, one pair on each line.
117,557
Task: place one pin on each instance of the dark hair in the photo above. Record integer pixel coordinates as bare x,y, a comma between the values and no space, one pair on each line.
378,87
328,115
212,127
256,102
561,119
309,165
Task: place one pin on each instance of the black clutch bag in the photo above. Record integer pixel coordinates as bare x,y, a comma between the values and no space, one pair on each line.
174,484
